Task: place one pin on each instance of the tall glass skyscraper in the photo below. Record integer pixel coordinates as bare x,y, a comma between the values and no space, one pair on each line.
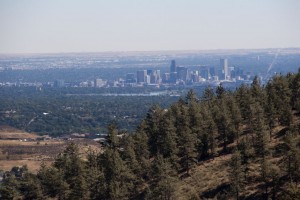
173,66
224,67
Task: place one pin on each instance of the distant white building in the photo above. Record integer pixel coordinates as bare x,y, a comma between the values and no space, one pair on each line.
224,67
99,82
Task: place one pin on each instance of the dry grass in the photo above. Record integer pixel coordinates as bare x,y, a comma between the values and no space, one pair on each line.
33,165
205,176
211,174
31,153
10,132
31,143
18,153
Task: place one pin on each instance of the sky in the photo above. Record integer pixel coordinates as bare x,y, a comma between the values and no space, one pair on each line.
56,26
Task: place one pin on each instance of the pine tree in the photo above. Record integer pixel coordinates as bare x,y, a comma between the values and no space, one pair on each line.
167,141
163,186
236,174
30,187
118,177
260,131
98,185
141,142
245,101
269,174
291,158
264,174
9,188
224,124
152,127
196,123
141,149
220,91
247,153
191,97
257,92
274,178
236,117
208,94
112,140
186,139
128,154
209,128
52,182
295,91
94,176
282,99
271,113
72,167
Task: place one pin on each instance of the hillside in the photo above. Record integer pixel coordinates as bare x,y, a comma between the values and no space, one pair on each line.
8,132
211,178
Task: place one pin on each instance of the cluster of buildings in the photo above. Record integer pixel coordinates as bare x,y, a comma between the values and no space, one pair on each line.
177,75
180,75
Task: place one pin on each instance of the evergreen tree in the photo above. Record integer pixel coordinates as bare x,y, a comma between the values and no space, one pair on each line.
236,117
264,174
72,167
291,159
271,113
141,149
30,187
257,92
98,185
52,182
141,142
197,126
295,91
186,139
245,101
211,129
191,97
236,174
167,141
118,177
274,178
208,95
128,154
247,153
282,100
269,174
112,140
9,188
260,131
164,183
220,91
152,127
224,124
208,131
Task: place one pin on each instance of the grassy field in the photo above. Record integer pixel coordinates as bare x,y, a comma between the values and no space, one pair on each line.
7,132
15,151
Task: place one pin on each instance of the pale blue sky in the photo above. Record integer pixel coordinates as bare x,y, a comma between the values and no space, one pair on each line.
41,26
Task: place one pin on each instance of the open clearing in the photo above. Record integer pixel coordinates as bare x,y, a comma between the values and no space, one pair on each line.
18,148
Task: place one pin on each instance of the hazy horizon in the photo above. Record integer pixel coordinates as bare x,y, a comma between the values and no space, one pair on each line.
133,52
38,27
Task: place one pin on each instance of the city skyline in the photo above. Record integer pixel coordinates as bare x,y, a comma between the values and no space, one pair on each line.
98,26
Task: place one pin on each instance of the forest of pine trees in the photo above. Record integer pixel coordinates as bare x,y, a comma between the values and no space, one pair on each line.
257,126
